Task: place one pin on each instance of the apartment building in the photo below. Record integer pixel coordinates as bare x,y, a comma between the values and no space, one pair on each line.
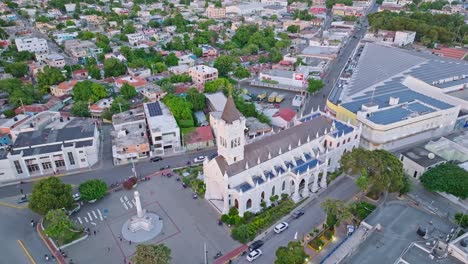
201,74
215,12
34,45
163,128
55,60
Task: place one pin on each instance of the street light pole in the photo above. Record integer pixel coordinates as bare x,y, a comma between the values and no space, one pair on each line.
206,253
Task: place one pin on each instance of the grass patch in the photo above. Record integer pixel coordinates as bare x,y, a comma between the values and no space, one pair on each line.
361,210
197,185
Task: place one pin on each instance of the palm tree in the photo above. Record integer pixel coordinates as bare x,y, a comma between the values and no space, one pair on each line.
152,254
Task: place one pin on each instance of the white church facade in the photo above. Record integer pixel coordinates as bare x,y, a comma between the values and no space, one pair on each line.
294,161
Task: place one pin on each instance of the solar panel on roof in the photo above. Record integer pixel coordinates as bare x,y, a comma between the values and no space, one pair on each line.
154,109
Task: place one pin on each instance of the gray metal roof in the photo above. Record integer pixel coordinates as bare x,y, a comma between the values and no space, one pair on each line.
50,136
399,113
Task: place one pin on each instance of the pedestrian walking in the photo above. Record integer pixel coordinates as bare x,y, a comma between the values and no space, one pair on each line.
120,239
94,232
129,242
108,249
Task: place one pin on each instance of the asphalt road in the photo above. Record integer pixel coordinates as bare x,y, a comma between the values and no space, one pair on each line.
111,174
336,66
343,189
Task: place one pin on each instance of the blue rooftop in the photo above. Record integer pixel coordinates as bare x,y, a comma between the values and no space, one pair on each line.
340,127
303,168
244,187
399,113
310,117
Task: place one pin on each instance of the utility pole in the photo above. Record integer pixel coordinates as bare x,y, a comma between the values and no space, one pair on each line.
206,254
22,105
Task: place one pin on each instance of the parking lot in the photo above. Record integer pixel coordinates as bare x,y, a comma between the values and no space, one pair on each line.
188,224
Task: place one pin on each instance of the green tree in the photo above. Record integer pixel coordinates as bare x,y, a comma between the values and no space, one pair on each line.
336,208
461,219
241,72
275,55
196,99
448,178
114,67
85,35
58,225
48,194
128,28
119,105
152,254
160,67
17,69
94,72
363,182
225,64
49,76
384,170
88,91
92,189
220,84
9,113
168,87
80,108
172,60
293,29
128,91
314,85
292,254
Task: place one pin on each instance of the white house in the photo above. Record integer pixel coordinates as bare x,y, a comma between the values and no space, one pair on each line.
34,45
294,161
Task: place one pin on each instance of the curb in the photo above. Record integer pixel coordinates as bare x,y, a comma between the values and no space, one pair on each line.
52,248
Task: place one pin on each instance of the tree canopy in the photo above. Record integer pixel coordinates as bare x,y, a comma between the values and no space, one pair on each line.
224,64
448,178
49,76
292,254
196,99
19,93
88,91
384,171
181,109
152,254
241,72
58,225
92,189
80,108
114,67
314,85
220,84
337,210
17,69
48,194
128,91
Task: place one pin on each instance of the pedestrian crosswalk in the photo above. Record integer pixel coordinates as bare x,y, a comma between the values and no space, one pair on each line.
90,217
127,203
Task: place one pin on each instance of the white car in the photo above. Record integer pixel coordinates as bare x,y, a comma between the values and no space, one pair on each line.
254,255
281,227
199,159
76,197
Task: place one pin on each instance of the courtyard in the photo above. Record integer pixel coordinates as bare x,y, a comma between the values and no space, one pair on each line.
188,224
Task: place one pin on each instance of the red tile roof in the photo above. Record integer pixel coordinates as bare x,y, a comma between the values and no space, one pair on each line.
453,53
286,113
201,134
67,85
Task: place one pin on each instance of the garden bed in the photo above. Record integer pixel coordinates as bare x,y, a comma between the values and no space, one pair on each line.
191,180
248,227
321,240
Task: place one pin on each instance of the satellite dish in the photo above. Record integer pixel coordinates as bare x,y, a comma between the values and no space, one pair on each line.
431,155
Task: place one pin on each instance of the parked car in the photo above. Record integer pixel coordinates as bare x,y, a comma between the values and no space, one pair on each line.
199,159
298,214
73,209
281,227
256,245
76,197
254,255
156,159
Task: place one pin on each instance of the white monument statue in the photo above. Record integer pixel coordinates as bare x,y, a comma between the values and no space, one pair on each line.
141,221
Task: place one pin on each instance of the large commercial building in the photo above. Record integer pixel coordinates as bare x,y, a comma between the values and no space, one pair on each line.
48,151
294,162
163,128
34,45
400,97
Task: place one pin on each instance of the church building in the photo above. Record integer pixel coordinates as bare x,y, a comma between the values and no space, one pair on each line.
294,161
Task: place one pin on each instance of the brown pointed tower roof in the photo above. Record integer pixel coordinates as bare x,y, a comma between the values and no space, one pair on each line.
230,112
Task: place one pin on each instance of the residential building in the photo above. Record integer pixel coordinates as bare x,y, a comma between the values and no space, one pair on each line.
139,72
53,104
215,12
201,74
163,128
61,37
418,160
134,81
344,10
282,118
284,77
293,162
135,38
63,88
208,51
151,91
55,60
245,9
215,102
34,45
6,125
79,49
129,138
403,38
97,108
409,98
50,151
201,138
80,74
454,53
186,60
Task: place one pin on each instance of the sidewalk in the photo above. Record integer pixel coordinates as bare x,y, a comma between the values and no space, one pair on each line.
50,245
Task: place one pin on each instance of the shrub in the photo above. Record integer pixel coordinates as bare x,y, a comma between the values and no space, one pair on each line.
328,234
461,219
241,233
362,209
331,220
284,196
316,243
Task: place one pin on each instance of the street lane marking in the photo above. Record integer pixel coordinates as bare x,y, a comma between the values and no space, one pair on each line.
94,224
125,205
126,199
134,202
86,219
79,219
31,259
121,199
130,204
100,215
94,213
90,217
14,206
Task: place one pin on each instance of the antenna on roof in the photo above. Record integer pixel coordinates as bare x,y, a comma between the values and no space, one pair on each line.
372,97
